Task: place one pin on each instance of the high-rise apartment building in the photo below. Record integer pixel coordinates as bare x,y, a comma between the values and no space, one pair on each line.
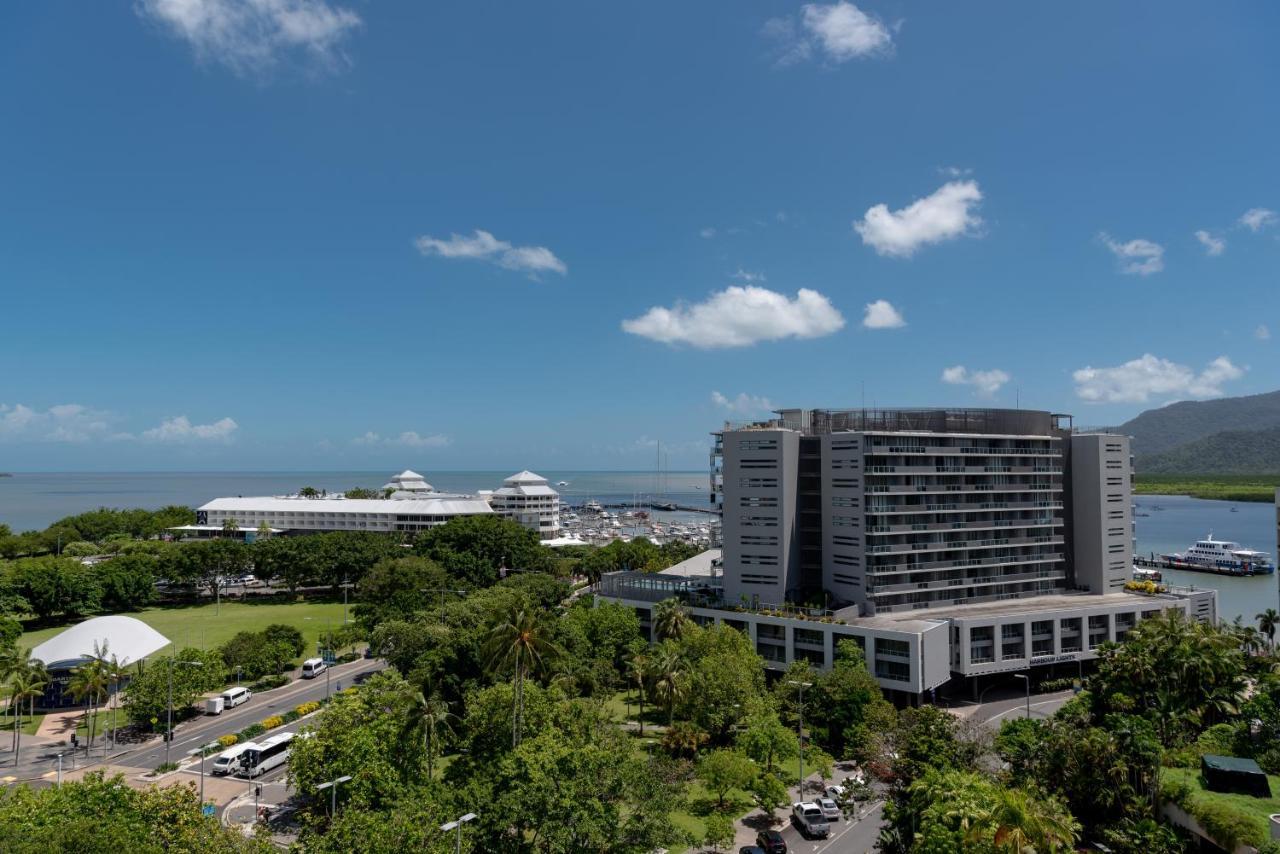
945,542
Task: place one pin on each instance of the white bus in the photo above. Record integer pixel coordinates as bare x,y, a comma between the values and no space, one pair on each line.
261,757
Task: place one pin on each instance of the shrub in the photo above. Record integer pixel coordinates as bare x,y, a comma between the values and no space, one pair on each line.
291,716
266,683
251,731
272,722
166,767
1228,826
228,740
306,708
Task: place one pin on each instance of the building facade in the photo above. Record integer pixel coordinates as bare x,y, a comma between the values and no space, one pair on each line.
949,543
528,498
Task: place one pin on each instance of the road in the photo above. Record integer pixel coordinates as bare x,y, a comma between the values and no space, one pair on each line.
205,728
1043,706
847,837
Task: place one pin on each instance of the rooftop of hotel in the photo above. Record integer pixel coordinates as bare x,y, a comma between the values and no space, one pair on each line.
1032,605
435,503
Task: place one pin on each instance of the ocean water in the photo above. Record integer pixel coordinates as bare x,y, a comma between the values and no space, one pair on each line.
34,500
1183,520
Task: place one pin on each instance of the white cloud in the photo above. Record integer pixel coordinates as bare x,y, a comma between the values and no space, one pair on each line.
1262,333
1137,257
1139,380
180,429
738,317
882,315
407,439
1212,245
743,404
483,246
945,215
707,233
250,36
747,276
985,383
840,31
65,422
1256,219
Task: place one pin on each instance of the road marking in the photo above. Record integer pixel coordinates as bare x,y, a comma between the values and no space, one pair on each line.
1022,709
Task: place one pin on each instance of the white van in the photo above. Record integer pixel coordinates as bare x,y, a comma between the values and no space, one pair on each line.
233,697
229,759
313,667
215,705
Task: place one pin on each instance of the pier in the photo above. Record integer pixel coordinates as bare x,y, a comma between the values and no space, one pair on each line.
669,506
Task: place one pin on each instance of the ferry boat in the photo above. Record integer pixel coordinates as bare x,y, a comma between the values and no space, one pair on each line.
1222,557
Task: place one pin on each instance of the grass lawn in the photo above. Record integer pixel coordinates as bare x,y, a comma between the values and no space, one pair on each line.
1257,810
29,724
103,724
204,626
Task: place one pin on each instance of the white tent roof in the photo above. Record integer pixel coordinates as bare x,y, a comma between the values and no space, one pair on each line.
409,480
129,640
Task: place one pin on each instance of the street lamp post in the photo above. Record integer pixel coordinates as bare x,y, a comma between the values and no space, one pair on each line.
332,786
800,728
1027,679
457,825
201,751
168,729
442,591
346,617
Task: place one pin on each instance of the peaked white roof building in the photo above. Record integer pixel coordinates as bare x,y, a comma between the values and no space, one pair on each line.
528,499
408,481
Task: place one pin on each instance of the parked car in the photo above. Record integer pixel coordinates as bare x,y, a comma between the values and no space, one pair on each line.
771,841
808,819
830,810
835,792
751,849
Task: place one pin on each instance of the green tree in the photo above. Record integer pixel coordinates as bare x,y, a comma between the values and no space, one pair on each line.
639,667
127,581
766,740
684,738
670,620
1024,822
101,813
519,642
147,694
399,588
722,771
54,586
719,833
430,714
89,684
488,542
770,794
23,687
362,493
670,673
725,679
1268,622
846,709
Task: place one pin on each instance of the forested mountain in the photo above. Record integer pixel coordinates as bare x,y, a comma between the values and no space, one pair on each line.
1158,430
1228,452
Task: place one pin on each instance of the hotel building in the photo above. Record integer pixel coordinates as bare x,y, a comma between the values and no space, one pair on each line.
947,542
410,505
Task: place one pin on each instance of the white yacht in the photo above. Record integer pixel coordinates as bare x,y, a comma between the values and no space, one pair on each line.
1223,557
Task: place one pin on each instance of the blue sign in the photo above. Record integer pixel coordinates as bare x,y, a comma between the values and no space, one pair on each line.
209,810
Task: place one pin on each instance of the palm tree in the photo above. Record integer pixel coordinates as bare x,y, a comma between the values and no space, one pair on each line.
22,686
230,527
638,668
89,683
1268,622
1024,822
670,620
671,679
431,715
16,660
521,642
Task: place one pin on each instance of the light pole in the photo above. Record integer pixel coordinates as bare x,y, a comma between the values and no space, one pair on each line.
59,769
346,618
800,728
1027,679
201,750
168,729
457,825
332,786
442,591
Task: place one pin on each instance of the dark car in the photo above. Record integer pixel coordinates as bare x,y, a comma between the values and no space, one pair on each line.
751,849
772,842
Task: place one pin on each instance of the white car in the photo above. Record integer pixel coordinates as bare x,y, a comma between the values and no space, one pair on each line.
835,792
830,811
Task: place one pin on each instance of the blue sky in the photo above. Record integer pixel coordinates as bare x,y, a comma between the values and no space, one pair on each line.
289,234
